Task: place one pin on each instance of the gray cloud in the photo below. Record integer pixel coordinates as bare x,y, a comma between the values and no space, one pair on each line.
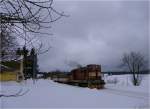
96,32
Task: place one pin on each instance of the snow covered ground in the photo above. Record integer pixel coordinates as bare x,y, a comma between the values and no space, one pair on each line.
48,94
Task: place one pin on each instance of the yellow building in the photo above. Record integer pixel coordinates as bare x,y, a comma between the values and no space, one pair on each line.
10,74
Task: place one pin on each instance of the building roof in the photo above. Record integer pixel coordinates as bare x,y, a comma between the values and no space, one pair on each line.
5,68
9,65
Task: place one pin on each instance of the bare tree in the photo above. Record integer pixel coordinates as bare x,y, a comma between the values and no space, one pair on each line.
28,19
28,15
135,62
8,45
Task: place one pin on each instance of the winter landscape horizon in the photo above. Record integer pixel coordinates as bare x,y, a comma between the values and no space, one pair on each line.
74,54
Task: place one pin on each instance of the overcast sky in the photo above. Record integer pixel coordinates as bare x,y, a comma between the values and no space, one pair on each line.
97,32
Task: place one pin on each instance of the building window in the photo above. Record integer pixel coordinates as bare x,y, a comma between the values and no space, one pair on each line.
92,74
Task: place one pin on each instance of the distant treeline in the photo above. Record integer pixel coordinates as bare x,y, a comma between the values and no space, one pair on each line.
125,72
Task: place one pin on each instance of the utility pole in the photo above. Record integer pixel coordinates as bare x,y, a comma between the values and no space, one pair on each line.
21,67
34,68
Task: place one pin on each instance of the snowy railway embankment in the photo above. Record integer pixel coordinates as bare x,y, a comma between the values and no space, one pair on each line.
123,86
48,94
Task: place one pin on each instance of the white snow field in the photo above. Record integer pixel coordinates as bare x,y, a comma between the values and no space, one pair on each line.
48,94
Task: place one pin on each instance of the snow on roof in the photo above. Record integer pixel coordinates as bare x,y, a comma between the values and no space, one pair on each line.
4,66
